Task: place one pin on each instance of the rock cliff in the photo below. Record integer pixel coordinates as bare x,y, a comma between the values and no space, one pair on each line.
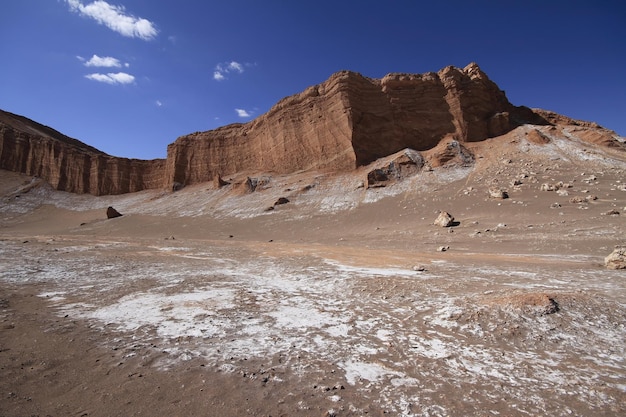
68,164
343,123
351,120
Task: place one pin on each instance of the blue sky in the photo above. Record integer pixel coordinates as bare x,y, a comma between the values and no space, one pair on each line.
130,76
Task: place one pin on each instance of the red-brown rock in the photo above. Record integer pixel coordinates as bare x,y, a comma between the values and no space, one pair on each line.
68,164
346,122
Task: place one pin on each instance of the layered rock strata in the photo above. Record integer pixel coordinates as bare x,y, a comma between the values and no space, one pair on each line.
343,123
351,120
70,165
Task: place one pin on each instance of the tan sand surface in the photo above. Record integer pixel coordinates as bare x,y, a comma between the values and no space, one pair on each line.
339,303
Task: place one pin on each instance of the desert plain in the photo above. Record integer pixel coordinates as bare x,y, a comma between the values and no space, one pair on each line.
345,300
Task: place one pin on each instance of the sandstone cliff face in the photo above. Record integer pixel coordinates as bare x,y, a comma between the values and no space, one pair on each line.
310,130
351,120
69,165
343,123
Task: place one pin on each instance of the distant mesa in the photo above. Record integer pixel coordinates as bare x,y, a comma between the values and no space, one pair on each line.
346,122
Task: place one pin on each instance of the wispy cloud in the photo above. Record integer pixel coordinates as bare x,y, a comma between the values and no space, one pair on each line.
103,61
243,113
158,103
222,69
112,78
115,18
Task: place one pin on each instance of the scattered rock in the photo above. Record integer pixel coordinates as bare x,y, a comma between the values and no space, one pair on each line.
444,219
555,205
498,193
419,268
616,259
218,181
281,200
253,184
177,186
611,212
443,248
112,213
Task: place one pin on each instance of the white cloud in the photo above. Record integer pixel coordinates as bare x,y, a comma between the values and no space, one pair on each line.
158,103
115,18
112,78
225,68
235,66
103,61
243,113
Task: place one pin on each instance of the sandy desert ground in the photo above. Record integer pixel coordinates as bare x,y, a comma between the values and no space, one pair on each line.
341,302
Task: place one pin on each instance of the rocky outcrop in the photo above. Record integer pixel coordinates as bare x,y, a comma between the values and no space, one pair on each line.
398,166
343,123
68,164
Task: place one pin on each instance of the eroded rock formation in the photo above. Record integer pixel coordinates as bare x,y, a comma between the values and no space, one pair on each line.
351,120
68,164
343,123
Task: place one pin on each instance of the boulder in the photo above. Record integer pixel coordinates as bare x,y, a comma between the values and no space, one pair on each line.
112,213
395,168
444,219
218,181
252,184
176,186
281,200
616,259
498,193
449,152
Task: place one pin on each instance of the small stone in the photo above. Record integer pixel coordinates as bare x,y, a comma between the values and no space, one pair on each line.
498,193
444,219
112,213
616,259
443,248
